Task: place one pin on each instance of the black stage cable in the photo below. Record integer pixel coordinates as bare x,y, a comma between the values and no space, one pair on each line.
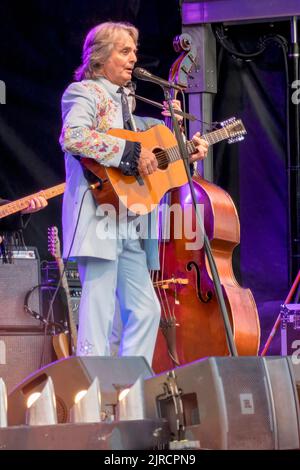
229,47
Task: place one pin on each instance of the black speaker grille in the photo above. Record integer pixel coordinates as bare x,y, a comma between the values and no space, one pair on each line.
16,279
20,355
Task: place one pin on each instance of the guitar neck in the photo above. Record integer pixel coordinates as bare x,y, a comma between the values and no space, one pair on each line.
211,138
20,204
216,136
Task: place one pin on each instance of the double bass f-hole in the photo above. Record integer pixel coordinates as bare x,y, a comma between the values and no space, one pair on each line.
207,296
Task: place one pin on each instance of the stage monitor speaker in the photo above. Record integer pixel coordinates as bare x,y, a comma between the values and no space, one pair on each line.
74,374
21,354
117,435
230,403
16,279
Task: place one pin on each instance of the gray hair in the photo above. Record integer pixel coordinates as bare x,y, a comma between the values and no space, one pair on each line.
98,45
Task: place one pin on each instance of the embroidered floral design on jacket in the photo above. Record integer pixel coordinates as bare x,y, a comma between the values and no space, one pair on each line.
93,142
89,143
106,108
86,348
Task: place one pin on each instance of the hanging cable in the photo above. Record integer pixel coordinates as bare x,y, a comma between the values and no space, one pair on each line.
229,46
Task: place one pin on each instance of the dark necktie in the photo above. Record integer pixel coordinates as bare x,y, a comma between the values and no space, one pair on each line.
125,109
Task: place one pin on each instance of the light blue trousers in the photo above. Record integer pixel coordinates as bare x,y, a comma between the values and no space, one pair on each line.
128,278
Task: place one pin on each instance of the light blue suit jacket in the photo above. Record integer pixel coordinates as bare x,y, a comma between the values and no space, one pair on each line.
89,109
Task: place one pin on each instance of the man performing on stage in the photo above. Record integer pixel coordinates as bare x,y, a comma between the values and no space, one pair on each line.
115,263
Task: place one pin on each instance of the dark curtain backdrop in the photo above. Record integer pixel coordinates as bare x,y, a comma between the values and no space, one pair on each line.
40,49
254,171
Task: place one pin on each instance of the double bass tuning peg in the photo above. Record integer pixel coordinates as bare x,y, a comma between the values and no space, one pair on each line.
182,42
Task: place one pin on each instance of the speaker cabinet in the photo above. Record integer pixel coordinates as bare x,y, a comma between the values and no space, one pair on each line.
22,354
75,294
61,305
74,374
117,435
16,279
230,403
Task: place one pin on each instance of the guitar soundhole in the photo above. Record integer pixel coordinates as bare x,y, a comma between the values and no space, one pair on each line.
162,158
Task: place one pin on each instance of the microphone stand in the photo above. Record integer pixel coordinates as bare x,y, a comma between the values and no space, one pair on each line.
185,157
189,116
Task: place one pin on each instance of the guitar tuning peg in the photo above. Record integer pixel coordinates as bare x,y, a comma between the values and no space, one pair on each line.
233,140
228,121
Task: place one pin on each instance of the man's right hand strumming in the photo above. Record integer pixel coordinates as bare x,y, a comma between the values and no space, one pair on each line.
147,162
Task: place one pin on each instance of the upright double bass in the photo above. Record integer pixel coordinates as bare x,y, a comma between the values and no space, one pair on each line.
191,323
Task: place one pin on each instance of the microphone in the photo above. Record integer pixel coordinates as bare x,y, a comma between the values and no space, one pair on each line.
143,74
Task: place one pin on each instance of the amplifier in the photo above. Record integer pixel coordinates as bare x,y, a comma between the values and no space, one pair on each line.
290,329
75,294
50,276
59,311
16,280
22,354
50,273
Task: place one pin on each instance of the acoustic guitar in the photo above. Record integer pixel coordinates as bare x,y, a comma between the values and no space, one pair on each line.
142,195
20,204
64,344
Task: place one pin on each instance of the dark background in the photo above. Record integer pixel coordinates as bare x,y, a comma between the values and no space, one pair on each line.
40,49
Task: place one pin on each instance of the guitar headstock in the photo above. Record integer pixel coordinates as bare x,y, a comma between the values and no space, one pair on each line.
53,242
235,129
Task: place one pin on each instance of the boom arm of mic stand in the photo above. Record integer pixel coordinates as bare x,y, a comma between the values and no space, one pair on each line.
189,116
207,248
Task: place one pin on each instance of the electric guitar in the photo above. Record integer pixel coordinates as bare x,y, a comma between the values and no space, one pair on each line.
139,194
63,344
20,204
